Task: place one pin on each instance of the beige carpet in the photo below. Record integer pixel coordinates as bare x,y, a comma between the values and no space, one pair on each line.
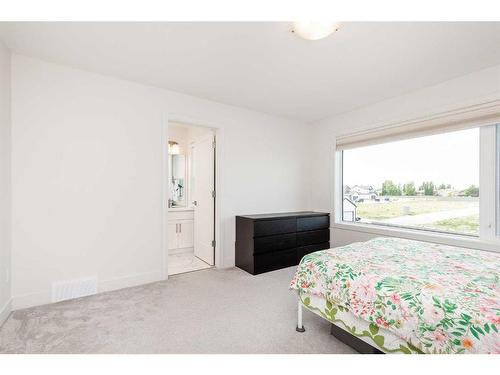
209,311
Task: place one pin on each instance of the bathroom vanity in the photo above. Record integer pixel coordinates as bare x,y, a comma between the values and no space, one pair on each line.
180,230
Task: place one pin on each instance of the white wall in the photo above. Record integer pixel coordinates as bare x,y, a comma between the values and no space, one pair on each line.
473,88
87,175
5,199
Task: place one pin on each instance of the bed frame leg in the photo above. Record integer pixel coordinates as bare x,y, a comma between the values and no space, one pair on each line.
300,326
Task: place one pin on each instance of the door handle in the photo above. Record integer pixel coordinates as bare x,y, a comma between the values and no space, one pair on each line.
195,203
180,228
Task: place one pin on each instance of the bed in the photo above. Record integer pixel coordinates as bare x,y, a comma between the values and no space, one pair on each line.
404,296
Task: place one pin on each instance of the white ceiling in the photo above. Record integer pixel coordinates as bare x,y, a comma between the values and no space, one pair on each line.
263,66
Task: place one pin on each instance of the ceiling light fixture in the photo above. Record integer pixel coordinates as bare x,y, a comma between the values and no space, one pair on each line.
314,30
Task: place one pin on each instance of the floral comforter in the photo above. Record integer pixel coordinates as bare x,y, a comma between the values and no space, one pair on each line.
440,299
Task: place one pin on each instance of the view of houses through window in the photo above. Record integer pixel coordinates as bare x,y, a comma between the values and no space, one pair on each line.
429,183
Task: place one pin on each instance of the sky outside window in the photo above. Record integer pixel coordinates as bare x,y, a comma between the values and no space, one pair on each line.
450,158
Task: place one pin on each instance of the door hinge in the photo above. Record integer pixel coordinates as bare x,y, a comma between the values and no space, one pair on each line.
213,194
213,243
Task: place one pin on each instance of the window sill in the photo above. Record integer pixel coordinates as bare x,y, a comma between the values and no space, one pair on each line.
418,235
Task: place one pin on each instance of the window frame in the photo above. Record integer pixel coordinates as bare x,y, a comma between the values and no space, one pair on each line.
487,182
497,172
489,220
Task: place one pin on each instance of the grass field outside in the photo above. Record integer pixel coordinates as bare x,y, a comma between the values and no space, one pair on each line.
465,225
403,206
456,210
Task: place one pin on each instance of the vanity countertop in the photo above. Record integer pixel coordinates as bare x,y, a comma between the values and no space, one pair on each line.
181,209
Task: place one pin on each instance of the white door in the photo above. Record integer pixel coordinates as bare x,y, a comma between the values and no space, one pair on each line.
203,186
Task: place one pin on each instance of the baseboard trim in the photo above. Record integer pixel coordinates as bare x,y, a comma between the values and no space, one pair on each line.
45,298
5,312
31,299
129,281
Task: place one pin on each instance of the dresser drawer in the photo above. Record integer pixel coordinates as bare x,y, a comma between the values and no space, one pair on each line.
268,242
304,250
274,243
313,223
275,260
270,227
313,237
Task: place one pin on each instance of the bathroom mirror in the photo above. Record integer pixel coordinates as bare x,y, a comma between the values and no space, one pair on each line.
177,179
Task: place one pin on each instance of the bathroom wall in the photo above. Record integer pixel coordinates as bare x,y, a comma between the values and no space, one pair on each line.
180,134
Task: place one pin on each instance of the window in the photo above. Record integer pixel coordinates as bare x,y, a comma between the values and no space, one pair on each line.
428,183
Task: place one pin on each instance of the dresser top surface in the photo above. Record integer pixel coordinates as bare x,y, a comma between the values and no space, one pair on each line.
282,215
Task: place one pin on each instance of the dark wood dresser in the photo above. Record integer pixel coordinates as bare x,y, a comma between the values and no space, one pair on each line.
272,241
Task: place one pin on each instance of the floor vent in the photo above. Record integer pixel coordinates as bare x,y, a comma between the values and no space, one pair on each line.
63,290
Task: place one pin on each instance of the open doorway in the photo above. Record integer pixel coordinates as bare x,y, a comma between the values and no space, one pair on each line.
191,198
